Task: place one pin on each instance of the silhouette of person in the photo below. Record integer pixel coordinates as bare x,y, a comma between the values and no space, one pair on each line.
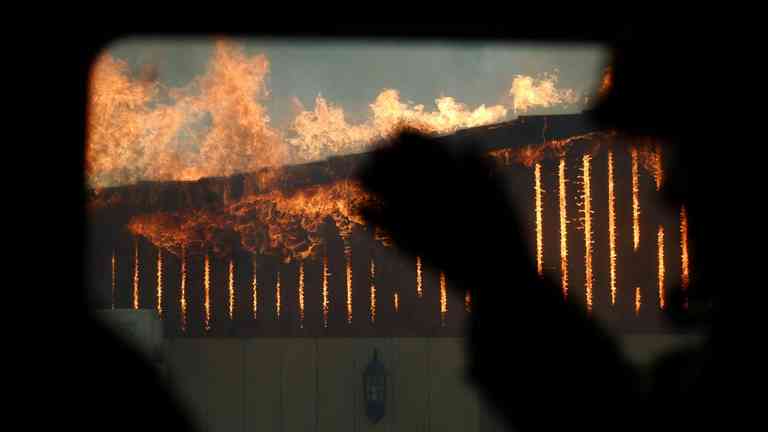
539,360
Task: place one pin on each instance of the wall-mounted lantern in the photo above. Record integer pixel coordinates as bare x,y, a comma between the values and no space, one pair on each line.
375,388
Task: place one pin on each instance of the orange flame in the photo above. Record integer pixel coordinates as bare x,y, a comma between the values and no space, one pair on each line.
563,228
684,275
348,256
529,92
538,213
254,289
301,294
325,291
660,241
396,300
135,273
607,83
207,293
638,301
612,226
183,291
277,296
160,283
114,277
587,220
418,277
635,201
443,299
651,158
231,289
373,291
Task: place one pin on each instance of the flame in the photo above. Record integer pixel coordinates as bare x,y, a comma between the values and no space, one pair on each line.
635,201
183,291
587,225
563,228
467,302
207,292
348,257
231,289
684,275
443,299
277,296
114,277
135,273
607,82
160,283
301,294
638,301
529,92
660,241
254,290
396,301
373,291
650,155
612,226
138,129
418,277
325,131
325,291
538,213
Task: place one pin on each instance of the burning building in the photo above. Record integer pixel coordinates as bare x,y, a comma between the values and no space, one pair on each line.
285,251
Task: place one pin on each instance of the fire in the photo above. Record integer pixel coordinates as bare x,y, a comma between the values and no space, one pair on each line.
607,83
348,256
660,241
207,292
612,226
183,291
563,228
635,200
373,291
651,157
587,220
443,299
301,294
638,301
277,296
325,291
135,273
254,290
467,302
114,277
231,289
684,275
538,213
529,92
160,283
418,277
396,301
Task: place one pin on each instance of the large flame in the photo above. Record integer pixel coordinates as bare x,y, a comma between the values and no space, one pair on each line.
660,242
538,214
587,226
563,227
635,200
529,92
160,282
612,227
